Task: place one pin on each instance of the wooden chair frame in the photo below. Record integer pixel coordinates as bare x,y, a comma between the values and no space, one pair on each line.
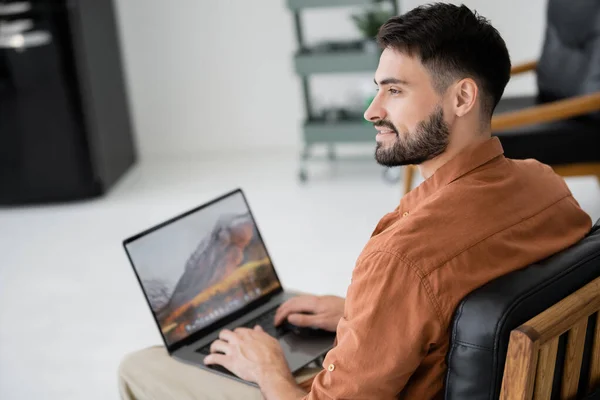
532,349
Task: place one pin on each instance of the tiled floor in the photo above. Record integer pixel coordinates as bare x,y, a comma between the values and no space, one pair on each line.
70,306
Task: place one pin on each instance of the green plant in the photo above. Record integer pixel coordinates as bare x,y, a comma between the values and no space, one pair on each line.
370,21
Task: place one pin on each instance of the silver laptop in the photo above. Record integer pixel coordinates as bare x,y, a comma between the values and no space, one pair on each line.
208,269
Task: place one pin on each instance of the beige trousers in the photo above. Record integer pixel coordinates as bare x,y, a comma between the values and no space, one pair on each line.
152,374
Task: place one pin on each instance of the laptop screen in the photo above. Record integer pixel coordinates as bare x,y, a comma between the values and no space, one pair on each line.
202,267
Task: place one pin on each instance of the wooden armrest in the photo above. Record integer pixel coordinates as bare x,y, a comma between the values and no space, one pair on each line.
524,67
554,111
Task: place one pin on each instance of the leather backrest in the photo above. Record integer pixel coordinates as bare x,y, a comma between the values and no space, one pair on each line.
483,320
570,61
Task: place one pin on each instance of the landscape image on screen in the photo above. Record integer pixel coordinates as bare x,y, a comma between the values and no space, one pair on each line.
203,267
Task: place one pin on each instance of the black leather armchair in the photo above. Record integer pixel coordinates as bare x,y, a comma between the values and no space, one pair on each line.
560,126
484,319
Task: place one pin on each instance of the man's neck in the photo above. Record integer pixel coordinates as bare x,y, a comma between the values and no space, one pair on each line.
455,146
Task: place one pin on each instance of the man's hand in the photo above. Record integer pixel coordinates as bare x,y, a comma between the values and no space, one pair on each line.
257,357
323,311
251,354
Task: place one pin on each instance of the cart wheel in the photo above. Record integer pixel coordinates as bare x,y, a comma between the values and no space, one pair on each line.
331,155
303,176
391,175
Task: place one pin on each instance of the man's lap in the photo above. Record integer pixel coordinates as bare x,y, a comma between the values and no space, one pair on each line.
152,374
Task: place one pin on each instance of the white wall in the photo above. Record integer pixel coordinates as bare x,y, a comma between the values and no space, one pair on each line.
217,76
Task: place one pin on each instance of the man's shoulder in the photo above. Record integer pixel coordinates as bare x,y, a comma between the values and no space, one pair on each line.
468,210
531,168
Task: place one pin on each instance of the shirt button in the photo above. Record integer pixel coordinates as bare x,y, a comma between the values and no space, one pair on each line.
331,368
405,214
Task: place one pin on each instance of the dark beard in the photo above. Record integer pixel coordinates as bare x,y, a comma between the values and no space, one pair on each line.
429,140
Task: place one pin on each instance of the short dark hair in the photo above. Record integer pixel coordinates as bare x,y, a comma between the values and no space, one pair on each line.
453,43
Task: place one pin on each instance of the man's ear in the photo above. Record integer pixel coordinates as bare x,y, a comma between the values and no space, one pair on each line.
466,95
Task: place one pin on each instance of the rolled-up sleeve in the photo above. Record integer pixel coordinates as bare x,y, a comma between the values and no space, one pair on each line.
390,322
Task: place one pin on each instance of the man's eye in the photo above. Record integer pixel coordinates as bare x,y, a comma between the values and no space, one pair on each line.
394,91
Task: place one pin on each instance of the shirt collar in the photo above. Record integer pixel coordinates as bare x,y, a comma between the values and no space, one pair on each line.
466,161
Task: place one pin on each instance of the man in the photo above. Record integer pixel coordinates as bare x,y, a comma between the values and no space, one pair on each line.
476,217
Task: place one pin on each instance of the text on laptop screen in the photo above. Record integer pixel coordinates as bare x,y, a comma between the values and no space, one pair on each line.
203,267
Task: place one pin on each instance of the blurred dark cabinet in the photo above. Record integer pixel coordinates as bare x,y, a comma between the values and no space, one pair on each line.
65,129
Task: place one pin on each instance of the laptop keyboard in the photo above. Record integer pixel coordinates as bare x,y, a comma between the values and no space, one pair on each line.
265,321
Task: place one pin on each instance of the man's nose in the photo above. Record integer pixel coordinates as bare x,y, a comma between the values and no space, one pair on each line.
374,112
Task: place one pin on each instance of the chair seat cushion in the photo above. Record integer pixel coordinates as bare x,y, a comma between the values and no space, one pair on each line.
554,143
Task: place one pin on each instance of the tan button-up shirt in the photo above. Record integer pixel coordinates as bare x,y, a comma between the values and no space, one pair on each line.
478,217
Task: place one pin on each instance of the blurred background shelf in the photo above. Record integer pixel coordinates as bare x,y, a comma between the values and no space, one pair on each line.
300,4
319,132
358,60
335,125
